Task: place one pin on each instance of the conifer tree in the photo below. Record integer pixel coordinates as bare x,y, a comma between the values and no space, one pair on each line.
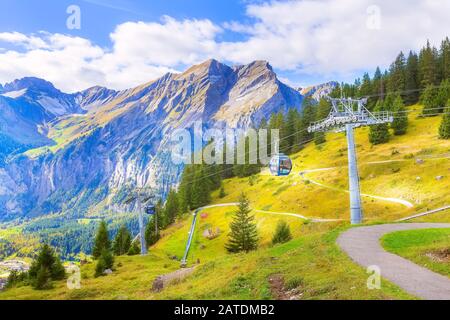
171,207
379,133
134,249
243,235
307,117
323,110
102,241
400,123
397,74
152,233
185,189
45,268
444,128
289,130
445,59
411,79
443,95
427,66
366,86
430,100
105,261
122,241
282,233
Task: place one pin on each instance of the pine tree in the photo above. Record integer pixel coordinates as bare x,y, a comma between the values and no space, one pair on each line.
323,110
379,133
307,117
46,267
445,59
171,207
43,279
378,89
152,235
287,145
428,66
443,94
134,249
243,235
397,76
200,188
411,79
101,240
366,86
105,261
282,233
400,123
222,193
444,128
122,242
185,189
430,100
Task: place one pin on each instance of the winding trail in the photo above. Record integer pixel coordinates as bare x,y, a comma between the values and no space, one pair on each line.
403,202
363,246
234,204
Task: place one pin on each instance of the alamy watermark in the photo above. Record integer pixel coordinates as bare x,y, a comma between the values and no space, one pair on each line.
73,21
374,280
223,146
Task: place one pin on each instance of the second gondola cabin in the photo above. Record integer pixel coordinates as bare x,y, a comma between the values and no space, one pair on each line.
280,165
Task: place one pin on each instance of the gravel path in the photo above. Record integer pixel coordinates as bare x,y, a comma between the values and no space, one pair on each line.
363,246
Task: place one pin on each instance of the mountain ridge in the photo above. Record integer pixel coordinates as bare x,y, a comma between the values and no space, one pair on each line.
117,140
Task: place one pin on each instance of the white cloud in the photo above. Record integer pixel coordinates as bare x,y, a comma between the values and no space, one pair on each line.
316,37
141,52
332,37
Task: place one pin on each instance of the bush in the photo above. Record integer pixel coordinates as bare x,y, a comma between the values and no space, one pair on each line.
282,233
134,249
105,261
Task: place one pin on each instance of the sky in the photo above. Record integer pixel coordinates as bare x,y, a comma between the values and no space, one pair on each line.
122,43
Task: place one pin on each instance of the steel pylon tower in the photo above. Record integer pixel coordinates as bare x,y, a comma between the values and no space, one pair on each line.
140,196
347,114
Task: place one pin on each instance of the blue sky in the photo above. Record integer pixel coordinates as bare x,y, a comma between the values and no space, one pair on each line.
123,43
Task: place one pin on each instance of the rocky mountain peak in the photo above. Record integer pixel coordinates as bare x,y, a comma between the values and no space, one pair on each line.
30,83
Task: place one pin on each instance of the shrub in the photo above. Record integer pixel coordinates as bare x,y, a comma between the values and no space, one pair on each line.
282,233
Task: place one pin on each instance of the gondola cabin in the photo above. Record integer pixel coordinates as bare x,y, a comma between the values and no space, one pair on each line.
280,165
150,210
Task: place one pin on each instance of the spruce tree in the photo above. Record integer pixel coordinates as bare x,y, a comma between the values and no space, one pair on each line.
428,66
379,133
122,241
171,208
282,233
151,234
46,267
411,79
445,59
400,123
323,110
287,145
102,241
443,95
430,100
397,75
185,189
243,235
135,248
444,128
105,261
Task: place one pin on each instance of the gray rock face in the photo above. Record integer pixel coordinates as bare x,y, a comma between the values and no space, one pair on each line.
108,142
319,91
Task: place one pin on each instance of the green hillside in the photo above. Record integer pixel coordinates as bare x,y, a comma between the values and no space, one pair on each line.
399,179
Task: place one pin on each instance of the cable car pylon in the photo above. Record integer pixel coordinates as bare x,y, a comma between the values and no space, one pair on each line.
345,115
